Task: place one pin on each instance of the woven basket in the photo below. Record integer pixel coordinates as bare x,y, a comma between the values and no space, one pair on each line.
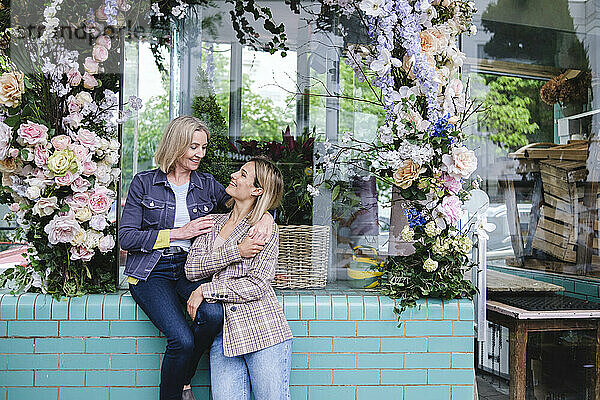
303,257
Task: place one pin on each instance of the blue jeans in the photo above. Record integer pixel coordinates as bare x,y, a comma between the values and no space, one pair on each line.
265,373
163,297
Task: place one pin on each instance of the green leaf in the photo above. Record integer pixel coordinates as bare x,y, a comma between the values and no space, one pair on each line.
335,193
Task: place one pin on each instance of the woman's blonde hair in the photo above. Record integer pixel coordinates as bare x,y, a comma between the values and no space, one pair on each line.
176,140
268,177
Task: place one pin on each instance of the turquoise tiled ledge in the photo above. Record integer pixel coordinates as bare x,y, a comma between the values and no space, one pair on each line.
347,346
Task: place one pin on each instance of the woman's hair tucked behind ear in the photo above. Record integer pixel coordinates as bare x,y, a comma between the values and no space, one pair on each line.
270,179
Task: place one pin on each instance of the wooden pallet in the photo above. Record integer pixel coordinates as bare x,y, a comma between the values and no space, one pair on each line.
557,229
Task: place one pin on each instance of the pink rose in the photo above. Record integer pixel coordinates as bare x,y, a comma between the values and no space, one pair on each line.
77,200
89,167
60,142
73,105
450,208
62,228
98,222
81,152
74,77
87,138
91,67
40,155
452,184
89,82
106,243
32,133
65,180
81,253
103,41
100,202
13,152
80,184
100,53
14,207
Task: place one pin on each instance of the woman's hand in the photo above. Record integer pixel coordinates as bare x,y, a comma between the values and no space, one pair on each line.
250,247
193,228
263,228
196,298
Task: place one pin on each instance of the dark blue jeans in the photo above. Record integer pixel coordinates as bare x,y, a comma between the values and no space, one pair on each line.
163,297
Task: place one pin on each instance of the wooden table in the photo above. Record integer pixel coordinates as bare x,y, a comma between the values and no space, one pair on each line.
502,282
520,322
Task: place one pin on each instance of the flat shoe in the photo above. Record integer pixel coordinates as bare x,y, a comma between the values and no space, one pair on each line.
188,395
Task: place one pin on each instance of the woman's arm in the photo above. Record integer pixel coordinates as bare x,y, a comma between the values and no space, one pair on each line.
202,263
131,237
252,286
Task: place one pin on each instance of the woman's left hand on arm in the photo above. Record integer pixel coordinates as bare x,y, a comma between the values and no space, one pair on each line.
263,228
196,298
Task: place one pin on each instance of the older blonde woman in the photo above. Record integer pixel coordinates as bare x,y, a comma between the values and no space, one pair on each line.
253,353
165,209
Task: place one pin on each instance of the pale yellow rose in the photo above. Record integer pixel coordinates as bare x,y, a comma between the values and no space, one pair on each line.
405,176
12,87
62,161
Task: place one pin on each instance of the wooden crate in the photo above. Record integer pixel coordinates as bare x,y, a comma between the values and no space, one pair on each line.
556,232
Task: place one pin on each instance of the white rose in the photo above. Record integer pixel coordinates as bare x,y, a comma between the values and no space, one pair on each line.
79,238
92,237
106,243
102,173
98,222
83,214
461,163
84,97
33,192
45,206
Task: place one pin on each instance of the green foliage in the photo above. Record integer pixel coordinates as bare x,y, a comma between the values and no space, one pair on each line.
206,107
515,114
405,278
294,157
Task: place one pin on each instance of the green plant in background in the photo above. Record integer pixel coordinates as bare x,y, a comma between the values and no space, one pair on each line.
515,115
217,160
294,157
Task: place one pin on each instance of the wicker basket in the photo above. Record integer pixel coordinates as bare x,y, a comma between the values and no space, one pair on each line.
303,257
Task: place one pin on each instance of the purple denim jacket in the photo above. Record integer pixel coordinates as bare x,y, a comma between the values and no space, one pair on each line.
150,207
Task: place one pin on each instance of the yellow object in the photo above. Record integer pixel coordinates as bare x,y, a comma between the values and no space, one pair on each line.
163,239
132,280
354,274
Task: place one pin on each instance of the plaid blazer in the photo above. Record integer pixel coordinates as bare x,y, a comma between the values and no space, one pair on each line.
253,318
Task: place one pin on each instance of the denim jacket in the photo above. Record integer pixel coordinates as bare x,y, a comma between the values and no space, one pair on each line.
150,207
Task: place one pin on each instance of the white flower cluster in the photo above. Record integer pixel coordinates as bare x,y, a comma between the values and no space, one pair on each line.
51,22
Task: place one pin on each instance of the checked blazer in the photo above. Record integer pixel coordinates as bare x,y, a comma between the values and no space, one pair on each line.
253,318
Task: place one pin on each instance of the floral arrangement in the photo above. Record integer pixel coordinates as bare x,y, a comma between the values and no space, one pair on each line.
59,155
412,63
